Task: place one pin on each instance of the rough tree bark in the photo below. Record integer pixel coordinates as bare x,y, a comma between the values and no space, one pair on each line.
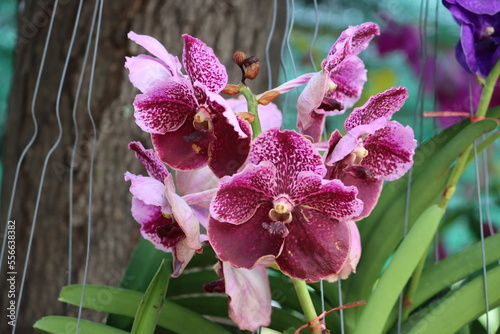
226,25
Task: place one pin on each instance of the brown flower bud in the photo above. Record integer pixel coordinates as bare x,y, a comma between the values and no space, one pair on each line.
239,58
249,117
231,89
268,97
252,71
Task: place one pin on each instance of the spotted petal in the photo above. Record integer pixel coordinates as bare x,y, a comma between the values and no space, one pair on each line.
246,245
240,196
382,105
334,200
350,77
317,246
311,98
165,106
148,190
249,296
352,41
288,150
150,160
353,257
201,64
390,151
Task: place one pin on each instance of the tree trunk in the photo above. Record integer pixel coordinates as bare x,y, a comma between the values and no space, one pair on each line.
225,25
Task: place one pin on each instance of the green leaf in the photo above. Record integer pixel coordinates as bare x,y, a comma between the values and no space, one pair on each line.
457,308
125,302
455,268
64,325
402,265
152,302
139,273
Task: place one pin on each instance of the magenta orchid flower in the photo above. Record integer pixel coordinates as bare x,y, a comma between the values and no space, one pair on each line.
166,219
191,125
249,294
280,209
337,86
385,153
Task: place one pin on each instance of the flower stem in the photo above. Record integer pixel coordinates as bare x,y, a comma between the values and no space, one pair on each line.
252,108
306,304
482,107
488,89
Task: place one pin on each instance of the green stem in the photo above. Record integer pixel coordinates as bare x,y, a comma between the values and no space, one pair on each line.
482,108
488,89
412,286
252,108
306,304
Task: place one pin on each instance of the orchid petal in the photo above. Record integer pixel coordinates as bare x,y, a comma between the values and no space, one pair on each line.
315,130
157,49
291,84
165,106
368,192
240,196
184,149
194,181
147,189
311,97
182,255
345,145
145,70
183,215
249,296
289,150
382,105
334,200
350,77
390,151
316,247
232,243
150,160
202,65
353,257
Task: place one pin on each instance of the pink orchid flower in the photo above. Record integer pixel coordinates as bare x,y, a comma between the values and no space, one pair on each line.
385,153
167,220
191,125
280,209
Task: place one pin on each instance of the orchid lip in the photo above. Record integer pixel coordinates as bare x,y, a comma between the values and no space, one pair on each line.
201,120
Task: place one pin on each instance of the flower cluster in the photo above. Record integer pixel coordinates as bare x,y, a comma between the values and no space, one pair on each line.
259,195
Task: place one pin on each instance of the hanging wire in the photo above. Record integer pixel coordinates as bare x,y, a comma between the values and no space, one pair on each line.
268,46
47,157
75,145
98,5
417,119
315,35
35,130
480,212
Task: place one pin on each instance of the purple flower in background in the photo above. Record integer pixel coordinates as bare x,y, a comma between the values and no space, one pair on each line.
166,219
191,125
249,294
479,46
279,208
339,83
385,153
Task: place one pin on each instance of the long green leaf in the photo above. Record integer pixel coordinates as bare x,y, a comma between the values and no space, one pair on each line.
457,308
152,301
65,325
381,242
456,267
392,282
125,302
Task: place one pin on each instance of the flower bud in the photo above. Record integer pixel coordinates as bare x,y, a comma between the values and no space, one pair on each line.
239,58
268,97
252,67
249,117
231,89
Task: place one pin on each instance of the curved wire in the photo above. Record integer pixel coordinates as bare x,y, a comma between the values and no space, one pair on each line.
47,157
268,46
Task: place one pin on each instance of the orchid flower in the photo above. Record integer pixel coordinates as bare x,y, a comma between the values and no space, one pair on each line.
249,294
385,153
479,47
191,125
279,209
337,86
166,219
